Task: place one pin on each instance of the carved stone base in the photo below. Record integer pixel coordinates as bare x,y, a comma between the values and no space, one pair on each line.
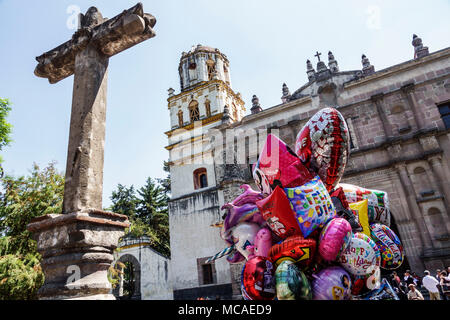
77,250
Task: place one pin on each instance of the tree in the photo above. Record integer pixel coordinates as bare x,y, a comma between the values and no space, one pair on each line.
165,183
5,127
152,208
124,201
147,210
22,199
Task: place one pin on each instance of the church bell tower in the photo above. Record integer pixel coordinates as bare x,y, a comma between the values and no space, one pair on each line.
205,94
206,100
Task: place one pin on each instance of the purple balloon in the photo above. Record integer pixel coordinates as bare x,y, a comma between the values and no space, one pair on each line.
246,213
249,196
332,283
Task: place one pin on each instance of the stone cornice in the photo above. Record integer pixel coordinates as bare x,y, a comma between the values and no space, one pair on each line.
191,125
402,67
202,85
270,111
92,215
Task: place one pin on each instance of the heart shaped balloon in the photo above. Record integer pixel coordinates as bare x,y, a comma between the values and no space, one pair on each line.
323,145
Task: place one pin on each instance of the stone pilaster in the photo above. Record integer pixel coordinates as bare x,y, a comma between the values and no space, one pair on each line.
413,207
408,94
378,101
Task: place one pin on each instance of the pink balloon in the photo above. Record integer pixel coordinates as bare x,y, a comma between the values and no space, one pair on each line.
334,237
263,243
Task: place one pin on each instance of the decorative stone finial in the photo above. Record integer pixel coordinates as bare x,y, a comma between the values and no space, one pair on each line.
286,93
419,50
310,70
256,107
226,118
171,92
367,67
332,63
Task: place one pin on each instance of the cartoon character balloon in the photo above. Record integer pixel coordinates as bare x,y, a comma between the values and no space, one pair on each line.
323,145
360,255
243,236
334,238
312,205
258,279
332,283
249,196
238,214
295,249
389,244
278,165
276,210
291,282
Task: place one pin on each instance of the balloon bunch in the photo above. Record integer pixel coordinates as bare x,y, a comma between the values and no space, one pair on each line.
303,235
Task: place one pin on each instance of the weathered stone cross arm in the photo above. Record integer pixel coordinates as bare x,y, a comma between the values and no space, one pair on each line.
109,36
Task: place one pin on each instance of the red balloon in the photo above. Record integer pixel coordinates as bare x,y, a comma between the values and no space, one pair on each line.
258,279
323,145
296,249
276,210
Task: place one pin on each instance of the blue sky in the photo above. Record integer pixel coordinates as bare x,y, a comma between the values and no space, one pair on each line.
267,43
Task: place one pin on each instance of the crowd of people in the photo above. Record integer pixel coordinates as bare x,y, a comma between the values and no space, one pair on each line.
409,286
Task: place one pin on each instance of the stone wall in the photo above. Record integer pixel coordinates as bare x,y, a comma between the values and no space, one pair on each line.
154,274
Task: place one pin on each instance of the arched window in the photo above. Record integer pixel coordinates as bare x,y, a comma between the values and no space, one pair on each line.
192,71
435,222
194,113
208,108
422,181
180,118
211,69
200,178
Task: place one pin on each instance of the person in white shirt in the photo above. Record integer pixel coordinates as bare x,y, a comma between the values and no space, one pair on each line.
430,283
413,293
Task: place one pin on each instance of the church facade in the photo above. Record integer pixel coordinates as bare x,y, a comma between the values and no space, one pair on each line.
399,121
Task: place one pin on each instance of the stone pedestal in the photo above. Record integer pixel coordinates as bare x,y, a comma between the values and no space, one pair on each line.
77,250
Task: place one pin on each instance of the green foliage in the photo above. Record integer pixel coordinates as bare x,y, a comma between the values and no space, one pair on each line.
5,127
114,272
22,199
165,183
20,275
147,209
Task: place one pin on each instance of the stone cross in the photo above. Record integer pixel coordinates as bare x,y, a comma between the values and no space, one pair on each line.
317,55
77,246
86,56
